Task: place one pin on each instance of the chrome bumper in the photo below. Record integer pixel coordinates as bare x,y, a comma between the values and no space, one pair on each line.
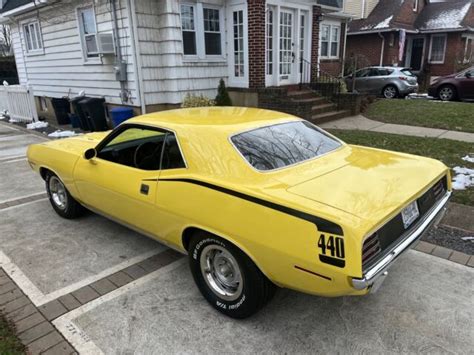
374,277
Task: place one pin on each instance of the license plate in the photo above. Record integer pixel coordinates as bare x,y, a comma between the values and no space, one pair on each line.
410,214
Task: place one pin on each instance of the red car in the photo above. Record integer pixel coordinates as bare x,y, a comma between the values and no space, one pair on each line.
458,86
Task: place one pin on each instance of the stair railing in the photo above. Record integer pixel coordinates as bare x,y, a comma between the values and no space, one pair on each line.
325,84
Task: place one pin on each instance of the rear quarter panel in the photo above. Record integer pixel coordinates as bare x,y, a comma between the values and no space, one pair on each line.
275,241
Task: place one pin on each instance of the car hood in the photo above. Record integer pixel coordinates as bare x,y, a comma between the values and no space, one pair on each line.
78,144
374,184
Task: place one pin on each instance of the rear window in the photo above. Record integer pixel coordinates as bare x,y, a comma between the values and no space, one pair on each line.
407,72
282,145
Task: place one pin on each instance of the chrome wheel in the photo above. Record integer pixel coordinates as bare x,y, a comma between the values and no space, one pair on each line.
390,92
58,193
221,272
446,93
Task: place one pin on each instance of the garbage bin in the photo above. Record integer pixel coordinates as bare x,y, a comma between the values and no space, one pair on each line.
120,114
83,123
94,113
75,120
62,108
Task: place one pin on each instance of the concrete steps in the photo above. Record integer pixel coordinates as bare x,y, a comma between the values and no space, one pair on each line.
329,116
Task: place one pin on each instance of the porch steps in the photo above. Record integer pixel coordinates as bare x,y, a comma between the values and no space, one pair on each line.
329,116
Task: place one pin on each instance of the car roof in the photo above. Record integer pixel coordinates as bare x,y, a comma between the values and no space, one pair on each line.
229,119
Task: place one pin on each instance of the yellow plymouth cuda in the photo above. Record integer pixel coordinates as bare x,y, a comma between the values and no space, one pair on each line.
256,198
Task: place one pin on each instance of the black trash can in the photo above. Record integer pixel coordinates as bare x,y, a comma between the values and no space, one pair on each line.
94,112
77,109
62,109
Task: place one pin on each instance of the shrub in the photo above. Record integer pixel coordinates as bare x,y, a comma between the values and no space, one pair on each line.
192,100
223,98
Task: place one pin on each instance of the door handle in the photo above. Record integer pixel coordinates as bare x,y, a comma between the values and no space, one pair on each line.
144,189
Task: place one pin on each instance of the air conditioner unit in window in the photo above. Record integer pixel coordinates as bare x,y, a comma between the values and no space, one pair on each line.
106,43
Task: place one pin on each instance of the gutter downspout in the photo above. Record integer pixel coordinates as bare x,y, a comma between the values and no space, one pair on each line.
362,15
119,61
132,15
382,49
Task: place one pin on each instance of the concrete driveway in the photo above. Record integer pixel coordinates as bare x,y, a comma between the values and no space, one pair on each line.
109,290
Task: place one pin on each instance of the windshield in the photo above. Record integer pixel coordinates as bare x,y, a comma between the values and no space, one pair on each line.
282,145
407,72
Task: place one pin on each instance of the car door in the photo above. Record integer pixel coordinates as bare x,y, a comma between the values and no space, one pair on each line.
121,181
361,77
375,80
466,85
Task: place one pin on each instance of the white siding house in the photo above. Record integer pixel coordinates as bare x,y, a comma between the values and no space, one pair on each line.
167,48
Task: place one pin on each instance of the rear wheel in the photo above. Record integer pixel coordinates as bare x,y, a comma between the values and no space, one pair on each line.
63,203
447,93
228,278
390,92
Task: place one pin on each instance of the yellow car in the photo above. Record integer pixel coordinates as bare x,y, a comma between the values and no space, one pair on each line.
256,198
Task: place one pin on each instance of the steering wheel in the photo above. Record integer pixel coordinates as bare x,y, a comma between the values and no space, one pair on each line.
153,147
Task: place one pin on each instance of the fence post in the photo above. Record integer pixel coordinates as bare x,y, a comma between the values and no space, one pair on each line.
31,99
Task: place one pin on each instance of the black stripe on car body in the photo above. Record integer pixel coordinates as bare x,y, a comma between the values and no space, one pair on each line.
322,224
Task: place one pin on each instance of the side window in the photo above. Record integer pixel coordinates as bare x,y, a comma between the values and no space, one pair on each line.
172,158
135,147
362,73
88,31
32,35
374,72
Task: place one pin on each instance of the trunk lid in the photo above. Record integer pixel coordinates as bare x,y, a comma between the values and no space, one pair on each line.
374,184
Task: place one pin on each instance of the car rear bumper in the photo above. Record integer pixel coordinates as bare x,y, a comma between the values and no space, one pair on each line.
375,275
408,89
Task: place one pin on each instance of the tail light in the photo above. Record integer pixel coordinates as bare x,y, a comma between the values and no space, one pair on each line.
402,78
370,249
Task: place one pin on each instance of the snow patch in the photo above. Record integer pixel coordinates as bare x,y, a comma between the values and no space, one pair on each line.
451,18
468,238
62,134
463,179
384,24
36,125
468,158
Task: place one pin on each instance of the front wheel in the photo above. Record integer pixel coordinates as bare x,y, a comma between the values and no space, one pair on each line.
390,92
228,278
447,93
63,203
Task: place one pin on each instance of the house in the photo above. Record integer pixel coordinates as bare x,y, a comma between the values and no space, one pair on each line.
359,8
148,54
434,38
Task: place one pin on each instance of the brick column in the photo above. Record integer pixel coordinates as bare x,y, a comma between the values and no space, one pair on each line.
315,42
256,43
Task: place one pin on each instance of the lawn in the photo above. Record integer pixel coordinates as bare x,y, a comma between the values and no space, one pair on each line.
9,343
448,151
455,116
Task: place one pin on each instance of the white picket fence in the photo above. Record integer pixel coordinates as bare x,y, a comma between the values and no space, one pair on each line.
19,101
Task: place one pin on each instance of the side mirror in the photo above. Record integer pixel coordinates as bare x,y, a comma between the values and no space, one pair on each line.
90,153
468,75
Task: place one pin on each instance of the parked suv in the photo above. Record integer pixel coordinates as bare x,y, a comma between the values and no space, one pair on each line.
390,82
455,86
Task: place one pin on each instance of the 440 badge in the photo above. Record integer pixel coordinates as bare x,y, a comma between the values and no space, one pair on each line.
331,250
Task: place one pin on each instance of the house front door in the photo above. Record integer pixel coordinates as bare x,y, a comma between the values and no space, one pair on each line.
287,63
415,53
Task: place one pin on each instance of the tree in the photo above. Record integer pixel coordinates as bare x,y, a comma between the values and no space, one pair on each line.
5,40
222,98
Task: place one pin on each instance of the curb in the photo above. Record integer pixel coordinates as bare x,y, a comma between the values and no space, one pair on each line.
445,253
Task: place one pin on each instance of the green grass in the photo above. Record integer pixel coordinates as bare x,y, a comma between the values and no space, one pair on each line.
455,116
9,343
448,151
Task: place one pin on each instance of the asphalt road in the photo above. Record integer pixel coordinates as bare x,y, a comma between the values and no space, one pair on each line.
425,305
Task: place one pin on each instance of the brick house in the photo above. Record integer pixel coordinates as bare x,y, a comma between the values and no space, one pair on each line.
434,38
148,54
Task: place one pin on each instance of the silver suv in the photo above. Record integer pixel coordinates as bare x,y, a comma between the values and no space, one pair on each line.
390,82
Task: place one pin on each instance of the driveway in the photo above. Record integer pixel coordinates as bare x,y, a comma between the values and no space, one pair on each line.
110,290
